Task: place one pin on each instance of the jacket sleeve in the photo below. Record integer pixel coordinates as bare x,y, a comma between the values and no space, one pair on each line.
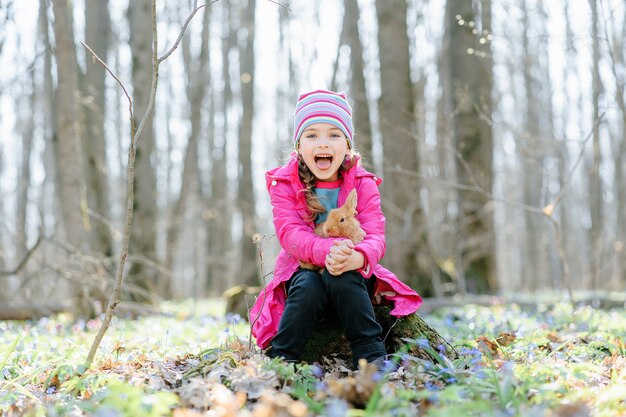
372,220
295,235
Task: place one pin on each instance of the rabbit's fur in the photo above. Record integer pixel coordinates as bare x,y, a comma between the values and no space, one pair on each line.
341,222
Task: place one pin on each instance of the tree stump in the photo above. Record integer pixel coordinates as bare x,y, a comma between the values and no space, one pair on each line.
328,338
239,299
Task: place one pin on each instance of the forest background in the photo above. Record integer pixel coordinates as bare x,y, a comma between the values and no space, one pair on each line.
498,127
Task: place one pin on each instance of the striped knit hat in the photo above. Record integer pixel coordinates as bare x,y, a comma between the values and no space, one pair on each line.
322,106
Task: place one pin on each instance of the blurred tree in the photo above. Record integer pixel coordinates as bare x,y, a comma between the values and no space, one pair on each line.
358,93
68,147
144,236
198,77
97,34
220,213
401,190
596,203
535,143
24,182
467,99
248,271
617,51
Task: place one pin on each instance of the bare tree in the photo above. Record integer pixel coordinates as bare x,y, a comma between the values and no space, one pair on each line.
143,241
24,181
219,214
617,53
68,146
357,82
199,80
468,102
97,34
245,191
593,169
401,192
532,155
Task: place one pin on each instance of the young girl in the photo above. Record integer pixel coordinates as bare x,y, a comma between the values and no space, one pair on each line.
321,173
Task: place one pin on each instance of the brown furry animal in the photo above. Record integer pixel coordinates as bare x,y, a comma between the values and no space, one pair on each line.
341,222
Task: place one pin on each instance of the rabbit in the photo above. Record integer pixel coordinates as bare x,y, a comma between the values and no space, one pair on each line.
341,222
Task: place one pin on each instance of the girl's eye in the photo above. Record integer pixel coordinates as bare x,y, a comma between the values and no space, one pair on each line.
310,136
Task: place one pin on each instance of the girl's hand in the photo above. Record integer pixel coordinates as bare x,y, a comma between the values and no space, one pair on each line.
342,257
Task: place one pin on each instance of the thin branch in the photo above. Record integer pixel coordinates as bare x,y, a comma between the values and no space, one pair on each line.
549,209
24,260
95,56
258,241
184,29
281,5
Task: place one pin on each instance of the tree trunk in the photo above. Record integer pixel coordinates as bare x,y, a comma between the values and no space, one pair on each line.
143,238
97,32
572,229
248,272
532,159
199,79
593,170
618,278
361,113
4,293
287,91
219,213
400,190
24,180
469,66
69,154
49,196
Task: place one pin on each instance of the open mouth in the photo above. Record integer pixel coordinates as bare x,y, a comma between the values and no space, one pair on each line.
323,161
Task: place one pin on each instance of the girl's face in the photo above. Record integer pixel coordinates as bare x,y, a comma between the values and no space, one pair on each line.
323,148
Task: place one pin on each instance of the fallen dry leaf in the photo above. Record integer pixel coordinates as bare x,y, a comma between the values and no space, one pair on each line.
279,405
358,388
185,412
487,347
578,409
505,339
253,380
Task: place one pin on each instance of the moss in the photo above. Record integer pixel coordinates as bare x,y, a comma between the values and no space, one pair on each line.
328,338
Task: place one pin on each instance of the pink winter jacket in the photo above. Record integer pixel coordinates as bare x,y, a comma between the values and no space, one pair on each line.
298,241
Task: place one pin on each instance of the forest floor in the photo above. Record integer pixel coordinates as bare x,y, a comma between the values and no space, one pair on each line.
551,359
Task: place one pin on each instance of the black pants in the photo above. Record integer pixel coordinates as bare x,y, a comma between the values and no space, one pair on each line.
310,295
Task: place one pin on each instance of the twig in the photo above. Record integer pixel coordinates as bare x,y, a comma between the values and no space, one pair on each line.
559,196
20,265
96,57
280,4
184,29
258,240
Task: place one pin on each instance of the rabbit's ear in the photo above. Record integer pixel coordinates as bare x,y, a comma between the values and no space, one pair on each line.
351,201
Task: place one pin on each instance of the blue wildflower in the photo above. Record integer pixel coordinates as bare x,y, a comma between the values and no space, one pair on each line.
336,408
423,343
431,387
317,371
233,318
